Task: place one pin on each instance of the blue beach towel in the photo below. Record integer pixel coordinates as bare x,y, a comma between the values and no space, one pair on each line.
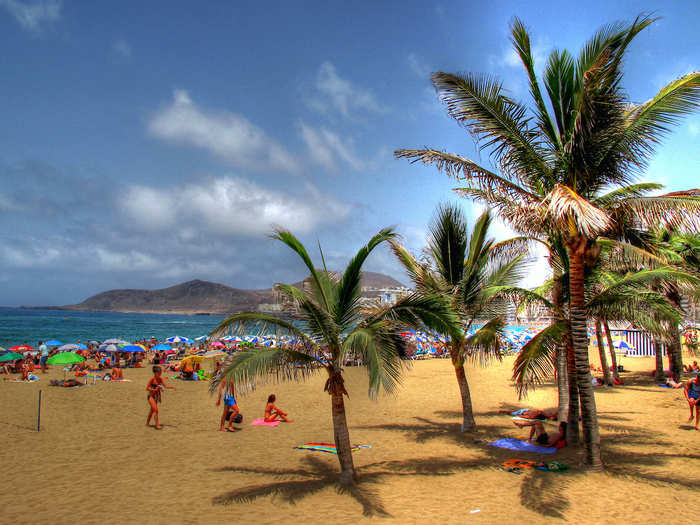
523,446
662,385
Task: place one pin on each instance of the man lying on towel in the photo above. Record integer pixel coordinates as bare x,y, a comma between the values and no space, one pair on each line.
543,439
526,417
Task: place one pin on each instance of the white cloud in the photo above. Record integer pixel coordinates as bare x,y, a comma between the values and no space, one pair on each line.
229,136
229,206
509,56
418,65
324,147
332,92
32,16
121,48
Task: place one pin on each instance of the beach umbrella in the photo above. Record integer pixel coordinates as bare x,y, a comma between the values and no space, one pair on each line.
162,347
194,358
65,358
131,348
218,344
81,346
115,342
10,356
214,353
108,348
201,338
53,342
21,349
68,348
179,339
622,345
171,351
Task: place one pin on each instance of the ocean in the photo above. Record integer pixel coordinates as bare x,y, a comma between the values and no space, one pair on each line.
30,326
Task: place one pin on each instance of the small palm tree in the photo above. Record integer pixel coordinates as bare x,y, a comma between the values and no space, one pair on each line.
332,327
462,268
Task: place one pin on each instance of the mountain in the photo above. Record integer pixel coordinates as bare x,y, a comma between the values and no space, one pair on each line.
187,298
196,297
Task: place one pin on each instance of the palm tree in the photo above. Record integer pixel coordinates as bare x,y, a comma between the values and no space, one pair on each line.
462,267
552,164
333,326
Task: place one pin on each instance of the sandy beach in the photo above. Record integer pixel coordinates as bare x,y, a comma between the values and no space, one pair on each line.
95,461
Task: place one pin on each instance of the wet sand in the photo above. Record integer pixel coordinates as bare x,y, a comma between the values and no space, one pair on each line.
95,461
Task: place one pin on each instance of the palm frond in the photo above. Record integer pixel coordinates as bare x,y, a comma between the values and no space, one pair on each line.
447,241
376,343
319,321
625,192
248,368
575,214
498,124
321,284
514,247
536,360
676,212
345,310
464,169
485,344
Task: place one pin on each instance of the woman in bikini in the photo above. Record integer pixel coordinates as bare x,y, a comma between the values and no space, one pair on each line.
272,413
154,387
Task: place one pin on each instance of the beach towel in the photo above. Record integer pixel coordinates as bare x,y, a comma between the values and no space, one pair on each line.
524,446
664,385
121,381
262,423
519,465
327,447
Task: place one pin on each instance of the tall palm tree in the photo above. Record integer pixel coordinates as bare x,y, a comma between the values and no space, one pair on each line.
332,326
553,164
463,268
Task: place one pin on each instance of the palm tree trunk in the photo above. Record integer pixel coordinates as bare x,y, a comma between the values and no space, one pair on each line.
562,383
335,387
572,430
589,417
611,348
468,423
562,368
658,351
675,352
601,350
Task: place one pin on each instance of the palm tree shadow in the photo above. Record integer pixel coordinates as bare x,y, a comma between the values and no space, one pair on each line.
292,485
542,492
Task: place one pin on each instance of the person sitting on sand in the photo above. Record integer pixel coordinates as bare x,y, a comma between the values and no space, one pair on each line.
226,388
65,382
557,440
117,373
673,384
692,395
187,369
154,388
272,413
691,368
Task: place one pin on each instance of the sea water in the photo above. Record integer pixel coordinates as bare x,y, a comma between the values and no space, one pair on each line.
18,326
30,326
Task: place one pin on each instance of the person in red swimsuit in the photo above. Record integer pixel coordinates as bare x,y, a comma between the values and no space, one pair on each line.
154,387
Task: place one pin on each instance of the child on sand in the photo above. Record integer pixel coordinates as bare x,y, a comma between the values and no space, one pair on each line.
272,413
230,407
154,387
692,394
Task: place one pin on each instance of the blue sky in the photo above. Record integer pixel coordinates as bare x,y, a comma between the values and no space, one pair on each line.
145,144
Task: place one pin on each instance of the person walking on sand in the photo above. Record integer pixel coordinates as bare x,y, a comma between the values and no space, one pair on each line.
272,413
154,387
692,394
230,406
44,350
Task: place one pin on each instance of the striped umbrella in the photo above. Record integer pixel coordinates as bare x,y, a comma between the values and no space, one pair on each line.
179,339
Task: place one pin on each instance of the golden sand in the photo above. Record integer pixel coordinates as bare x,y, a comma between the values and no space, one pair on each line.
95,461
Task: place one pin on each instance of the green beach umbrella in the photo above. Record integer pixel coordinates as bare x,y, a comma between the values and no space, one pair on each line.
2,349
10,356
65,358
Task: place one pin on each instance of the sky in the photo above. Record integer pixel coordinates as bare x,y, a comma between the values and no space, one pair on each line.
144,144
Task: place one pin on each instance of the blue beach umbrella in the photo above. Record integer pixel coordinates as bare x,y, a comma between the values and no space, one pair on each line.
68,348
53,342
162,347
131,348
201,338
81,346
179,339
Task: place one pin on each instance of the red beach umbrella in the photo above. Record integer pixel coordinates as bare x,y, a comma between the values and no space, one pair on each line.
21,349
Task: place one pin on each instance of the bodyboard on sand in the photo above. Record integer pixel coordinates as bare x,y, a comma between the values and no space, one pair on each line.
327,447
262,423
524,446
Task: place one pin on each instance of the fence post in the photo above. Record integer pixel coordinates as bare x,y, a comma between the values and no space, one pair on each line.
38,418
